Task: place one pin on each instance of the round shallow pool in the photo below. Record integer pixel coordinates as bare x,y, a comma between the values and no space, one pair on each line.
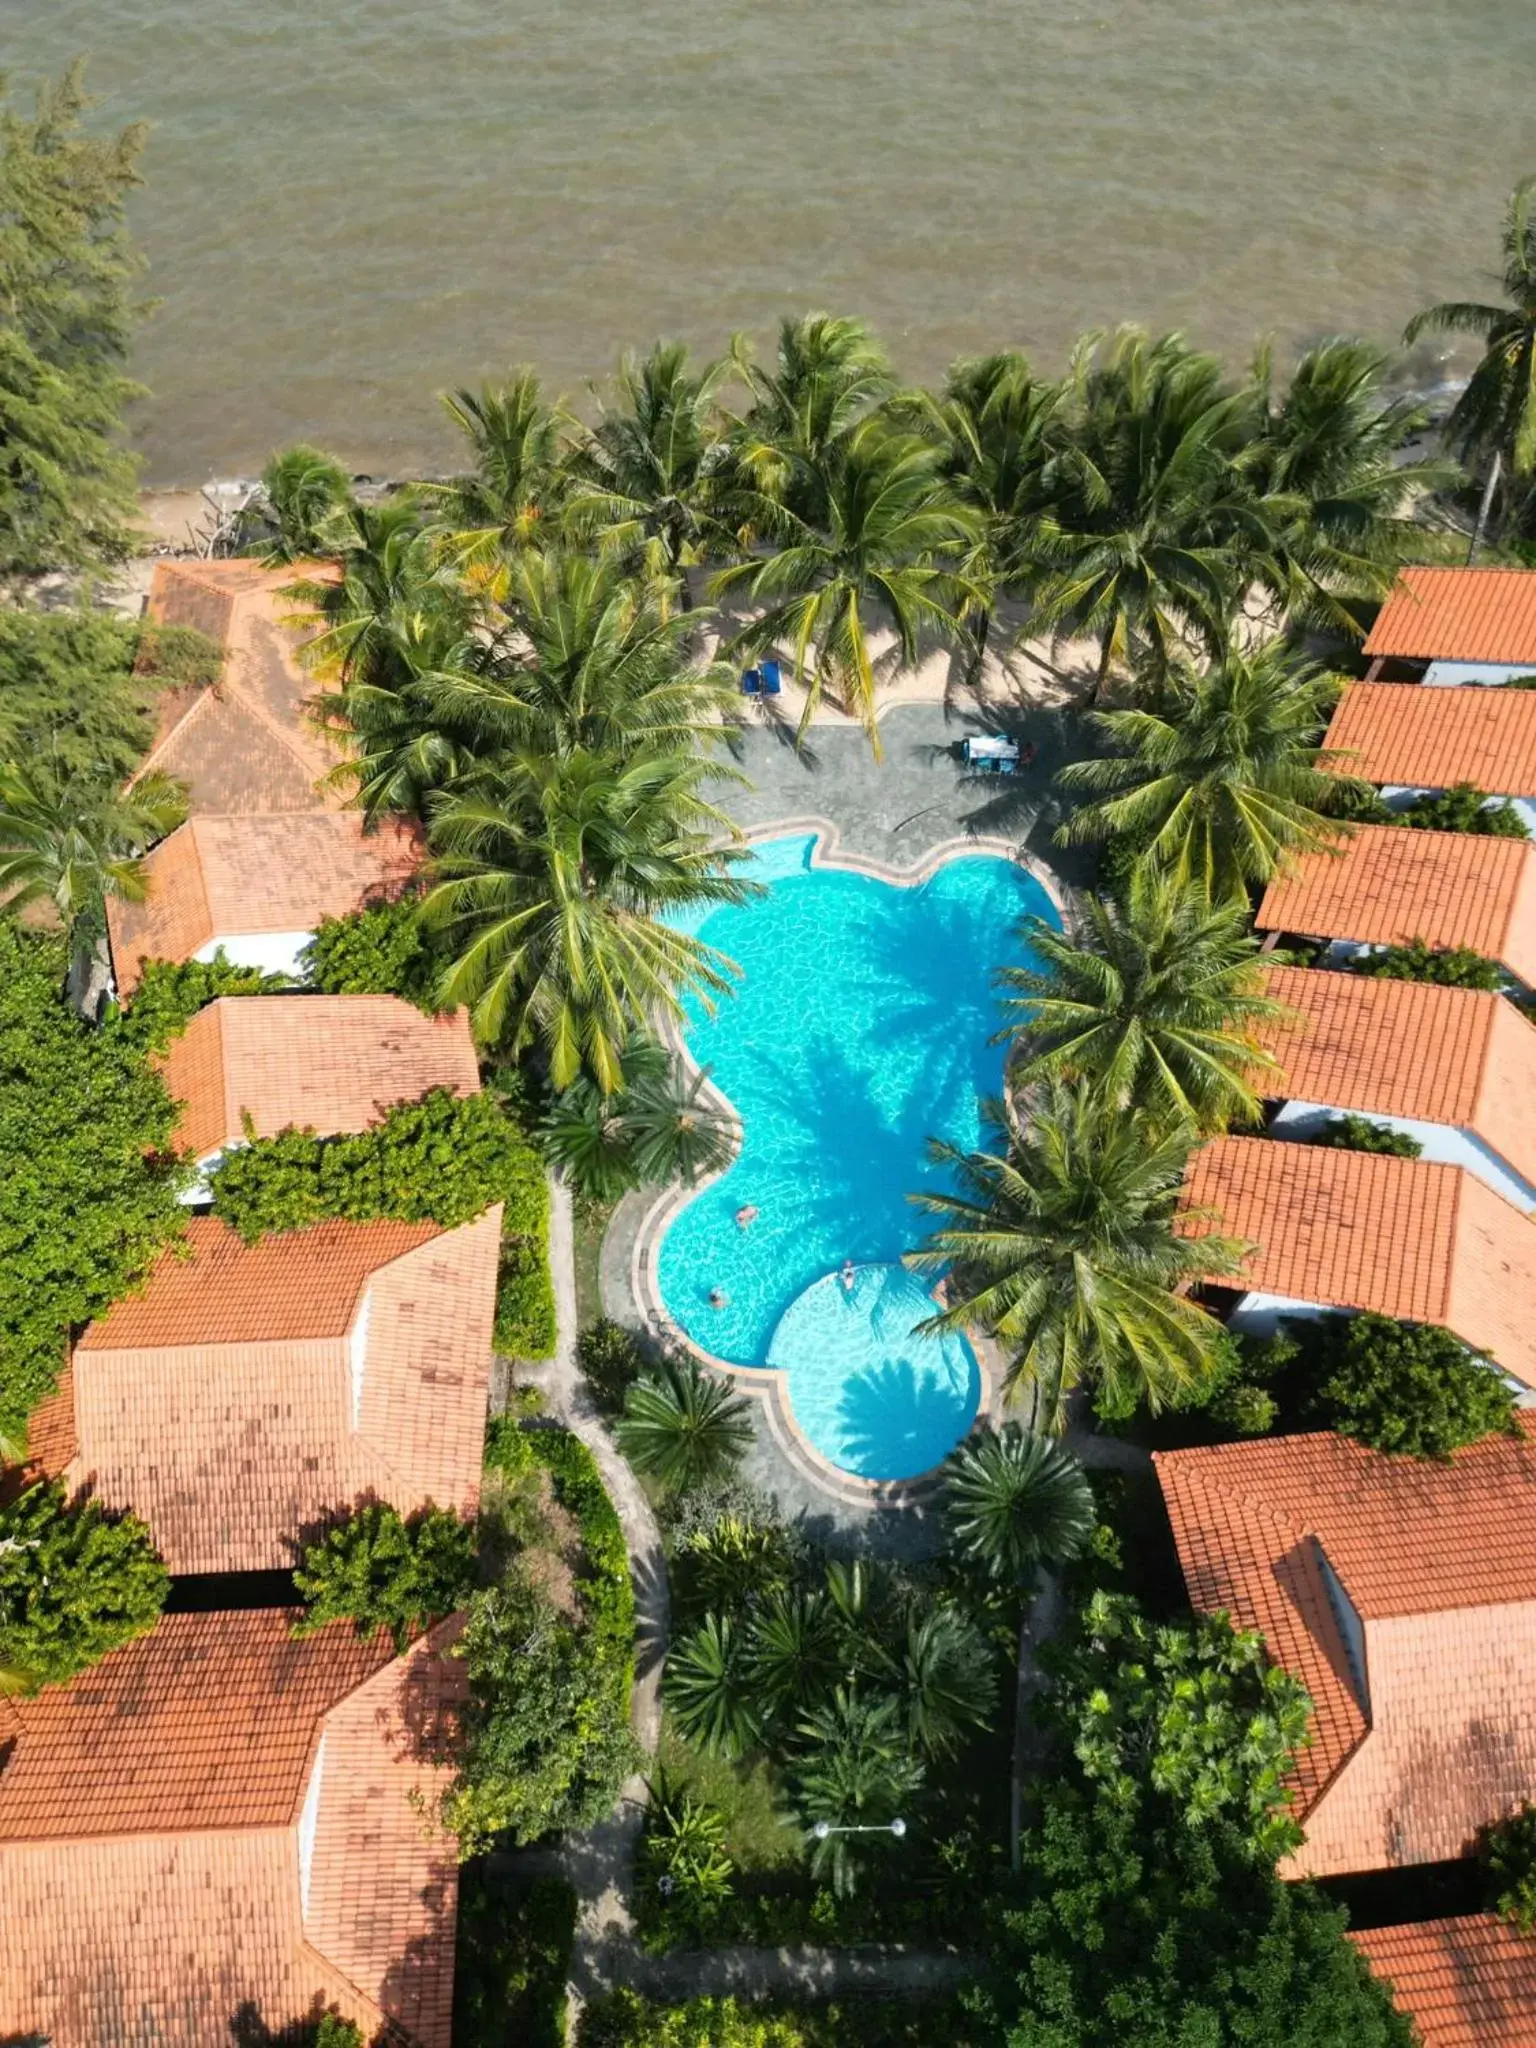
861,1028
872,1394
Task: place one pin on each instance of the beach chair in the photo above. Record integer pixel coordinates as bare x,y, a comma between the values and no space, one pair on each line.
772,681
751,682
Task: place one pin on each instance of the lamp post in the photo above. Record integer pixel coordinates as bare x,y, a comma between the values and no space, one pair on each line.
824,1828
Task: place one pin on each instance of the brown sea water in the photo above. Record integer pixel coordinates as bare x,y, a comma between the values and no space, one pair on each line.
355,203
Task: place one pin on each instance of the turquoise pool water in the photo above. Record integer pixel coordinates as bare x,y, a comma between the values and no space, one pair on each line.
860,1030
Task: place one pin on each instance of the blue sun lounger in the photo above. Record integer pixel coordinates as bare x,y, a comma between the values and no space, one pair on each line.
771,679
751,682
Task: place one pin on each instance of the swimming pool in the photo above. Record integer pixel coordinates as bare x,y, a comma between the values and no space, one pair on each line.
859,1031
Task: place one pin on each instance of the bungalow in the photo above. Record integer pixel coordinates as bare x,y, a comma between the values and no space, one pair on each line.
1352,1231
1453,1068
1455,626
245,745
1385,885
217,1833
322,1063
1402,1594
255,886
248,1392
1467,1983
1411,743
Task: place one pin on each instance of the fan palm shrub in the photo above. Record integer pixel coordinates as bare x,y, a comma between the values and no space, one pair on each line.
1062,1243
946,1679
1222,779
711,1691
1014,1501
855,1770
684,1426
661,1125
1155,999
796,1651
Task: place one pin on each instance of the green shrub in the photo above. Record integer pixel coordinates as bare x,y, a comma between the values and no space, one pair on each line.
626,2020
77,688
514,1952
1360,1134
606,1590
1507,1851
380,1570
1408,1388
525,1293
443,1159
685,1869
381,951
1464,808
177,657
610,1361
1447,966
171,992
89,1178
75,1582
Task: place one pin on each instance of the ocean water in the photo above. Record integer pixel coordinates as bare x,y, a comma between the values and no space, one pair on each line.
861,1029
353,204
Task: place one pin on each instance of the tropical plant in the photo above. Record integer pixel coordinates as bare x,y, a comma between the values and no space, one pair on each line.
1445,966
711,1690
610,1360
730,1552
380,1569
75,1582
383,950
1014,1501
645,483
890,543
829,376
1222,779
67,279
1063,1245
683,1853
946,1679
1507,1851
663,1124
169,994
1153,531
1464,808
508,500
303,495
1155,999
1361,1134
89,1172
855,1771
1494,419
796,1653
683,1426
551,892
1408,1388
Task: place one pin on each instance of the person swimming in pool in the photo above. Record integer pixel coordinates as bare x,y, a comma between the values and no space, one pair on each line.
718,1298
848,1275
746,1215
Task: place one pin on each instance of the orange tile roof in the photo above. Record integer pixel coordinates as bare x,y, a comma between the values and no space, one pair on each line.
247,744
220,877
1439,1564
250,1391
1386,884
1355,1230
323,1063
1403,734
1468,1983
150,1858
1453,1056
1458,615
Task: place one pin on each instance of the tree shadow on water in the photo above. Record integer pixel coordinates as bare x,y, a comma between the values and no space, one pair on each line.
896,1421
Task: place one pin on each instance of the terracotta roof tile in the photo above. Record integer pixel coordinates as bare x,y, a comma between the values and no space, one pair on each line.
1386,884
150,1862
1453,1056
1458,615
1356,1230
323,1063
1439,1565
1403,734
1468,1983
252,1391
221,877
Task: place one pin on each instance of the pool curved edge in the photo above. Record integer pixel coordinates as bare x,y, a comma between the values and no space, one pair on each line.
767,1384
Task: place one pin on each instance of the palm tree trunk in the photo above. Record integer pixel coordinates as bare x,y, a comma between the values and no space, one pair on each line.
1486,507
981,632
89,980
1106,655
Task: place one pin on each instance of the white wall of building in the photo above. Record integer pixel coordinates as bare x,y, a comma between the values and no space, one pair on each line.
1398,796
1257,1314
272,952
1447,1143
1445,675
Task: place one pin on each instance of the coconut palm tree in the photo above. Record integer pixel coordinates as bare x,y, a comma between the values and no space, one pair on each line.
400,748
511,496
646,482
1063,1245
683,1426
1014,1501
1494,419
71,846
829,376
304,495
997,424
1154,999
946,1679
1327,461
1221,780
712,1691
856,1771
551,890
891,546
662,1125
1154,531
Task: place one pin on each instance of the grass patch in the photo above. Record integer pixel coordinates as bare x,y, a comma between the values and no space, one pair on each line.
592,1219
756,1836
514,1953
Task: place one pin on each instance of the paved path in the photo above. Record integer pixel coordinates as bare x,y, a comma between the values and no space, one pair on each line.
800,1973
